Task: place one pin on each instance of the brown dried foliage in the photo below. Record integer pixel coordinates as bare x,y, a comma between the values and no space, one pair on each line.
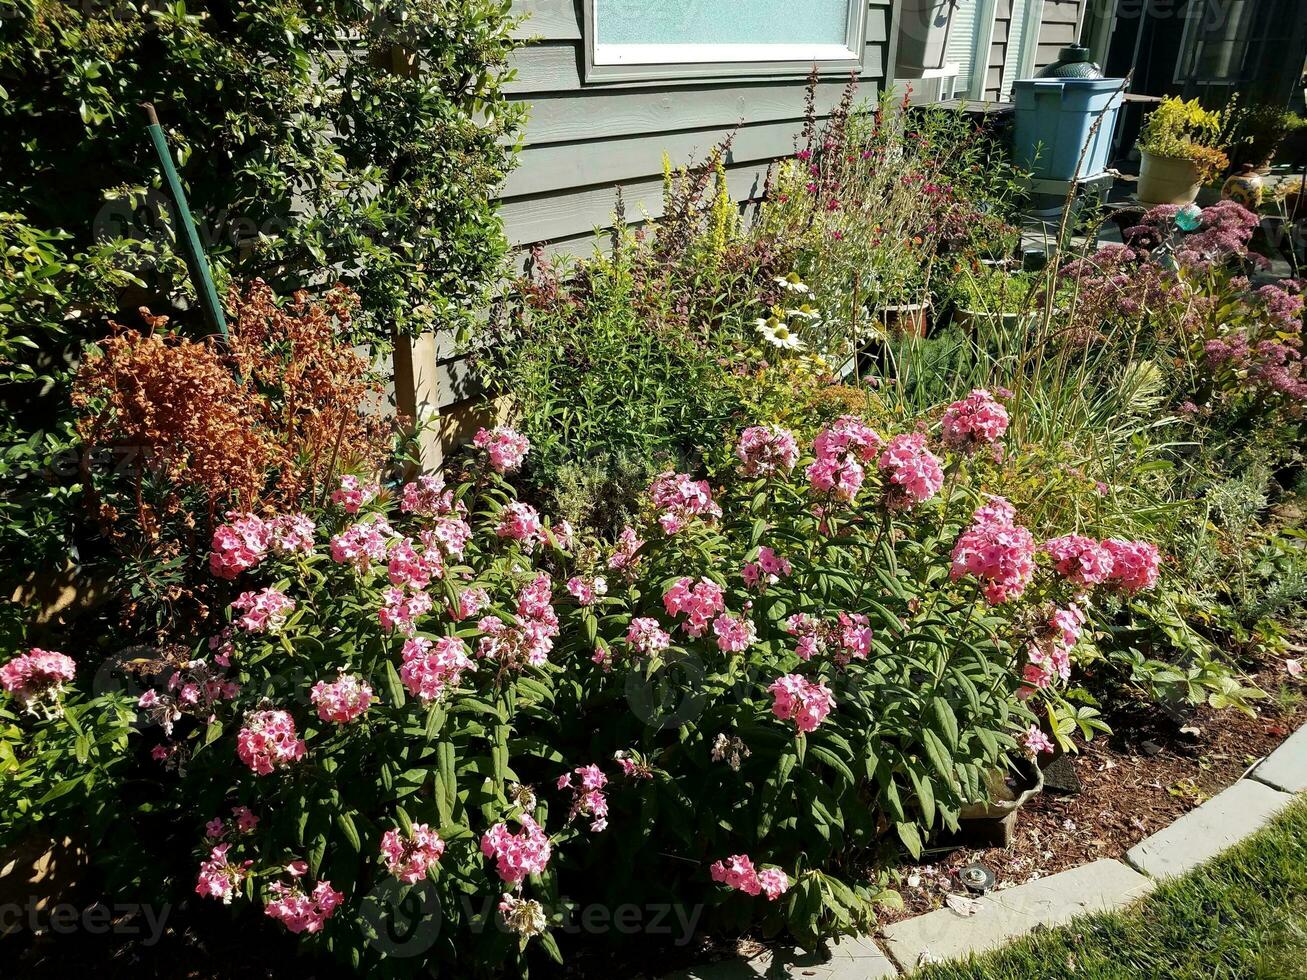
319,401
172,407
260,422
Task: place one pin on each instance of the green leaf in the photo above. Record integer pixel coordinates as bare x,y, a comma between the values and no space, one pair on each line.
346,824
911,837
938,755
925,796
945,722
394,685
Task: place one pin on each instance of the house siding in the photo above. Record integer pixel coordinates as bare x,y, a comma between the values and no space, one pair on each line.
1059,25
583,141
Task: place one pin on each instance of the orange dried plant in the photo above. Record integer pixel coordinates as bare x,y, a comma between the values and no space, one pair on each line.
320,402
171,407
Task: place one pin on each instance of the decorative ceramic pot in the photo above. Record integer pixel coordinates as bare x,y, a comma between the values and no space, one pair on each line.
994,822
1247,187
1166,180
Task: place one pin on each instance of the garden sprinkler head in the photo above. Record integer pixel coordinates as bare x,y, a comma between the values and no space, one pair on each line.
976,878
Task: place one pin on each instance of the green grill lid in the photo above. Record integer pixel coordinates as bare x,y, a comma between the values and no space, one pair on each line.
1072,62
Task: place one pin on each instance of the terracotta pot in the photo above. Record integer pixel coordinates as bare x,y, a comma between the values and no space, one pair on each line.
971,319
1166,180
911,319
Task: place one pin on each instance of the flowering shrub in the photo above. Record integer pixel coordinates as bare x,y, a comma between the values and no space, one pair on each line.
406,697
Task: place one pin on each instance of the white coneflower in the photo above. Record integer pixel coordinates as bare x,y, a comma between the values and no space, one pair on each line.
792,282
779,334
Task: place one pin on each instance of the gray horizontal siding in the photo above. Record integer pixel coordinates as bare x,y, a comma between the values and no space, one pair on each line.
1058,27
581,141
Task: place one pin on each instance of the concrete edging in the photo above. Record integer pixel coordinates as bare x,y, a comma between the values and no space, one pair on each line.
1228,818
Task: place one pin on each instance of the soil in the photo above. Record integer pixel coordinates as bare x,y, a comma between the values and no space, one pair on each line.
1151,770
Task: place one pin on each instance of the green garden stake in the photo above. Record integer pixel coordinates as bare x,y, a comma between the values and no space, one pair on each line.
196,261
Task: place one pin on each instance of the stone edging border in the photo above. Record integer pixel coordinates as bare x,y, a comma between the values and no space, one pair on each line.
1227,818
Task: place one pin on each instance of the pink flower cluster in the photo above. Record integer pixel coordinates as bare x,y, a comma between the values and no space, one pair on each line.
841,450
238,545
767,569
519,855
1049,653
470,602
36,674
409,567
766,450
585,590
646,636
588,798
505,447
431,667
246,822
1036,741
737,872
912,472
221,877
264,612
426,495
997,551
268,741
528,641
977,420
450,531
521,522
301,910
624,558
698,602
1078,559
291,533
735,634
195,689
410,856
343,700
1134,564
680,499
353,494
849,636
401,610
361,544
798,699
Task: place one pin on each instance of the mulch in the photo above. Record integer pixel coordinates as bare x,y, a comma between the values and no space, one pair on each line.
1151,770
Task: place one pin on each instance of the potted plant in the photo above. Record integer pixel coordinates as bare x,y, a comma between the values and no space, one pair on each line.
1256,133
992,822
1182,147
992,297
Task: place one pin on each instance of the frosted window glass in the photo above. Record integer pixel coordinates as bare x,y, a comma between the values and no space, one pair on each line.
721,21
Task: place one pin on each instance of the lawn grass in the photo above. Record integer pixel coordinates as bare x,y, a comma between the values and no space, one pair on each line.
1243,915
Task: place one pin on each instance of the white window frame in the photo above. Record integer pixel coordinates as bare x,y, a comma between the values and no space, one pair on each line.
650,62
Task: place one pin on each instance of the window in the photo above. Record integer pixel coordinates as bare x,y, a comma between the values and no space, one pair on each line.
628,40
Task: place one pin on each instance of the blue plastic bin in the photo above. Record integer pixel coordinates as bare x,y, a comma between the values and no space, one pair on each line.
1055,116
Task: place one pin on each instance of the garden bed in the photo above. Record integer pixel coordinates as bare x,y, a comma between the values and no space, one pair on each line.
1141,778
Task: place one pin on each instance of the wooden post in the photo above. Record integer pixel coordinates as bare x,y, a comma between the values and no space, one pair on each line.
416,394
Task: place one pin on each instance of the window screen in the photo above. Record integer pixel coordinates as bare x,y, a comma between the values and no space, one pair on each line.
714,22
757,33
960,48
